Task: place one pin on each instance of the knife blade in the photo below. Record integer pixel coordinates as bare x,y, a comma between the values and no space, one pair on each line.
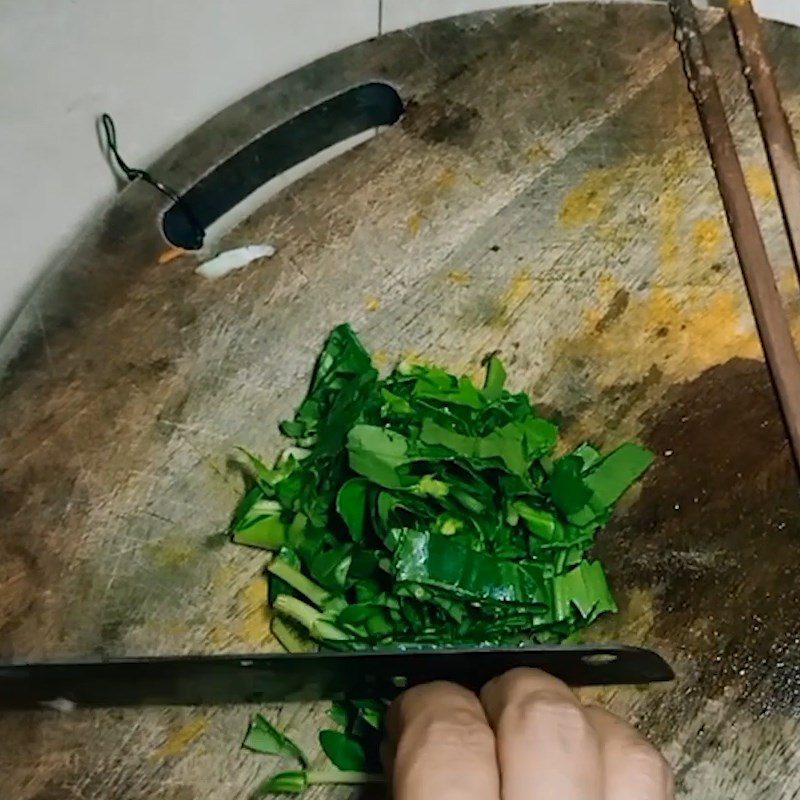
283,677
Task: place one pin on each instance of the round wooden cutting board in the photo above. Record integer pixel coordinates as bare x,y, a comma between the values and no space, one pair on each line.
546,194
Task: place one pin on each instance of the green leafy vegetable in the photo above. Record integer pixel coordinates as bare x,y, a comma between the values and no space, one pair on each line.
339,713
377,454
351,503
344,750
293,782
610,479
417,509
372,712
260,524
293,638
297,781
442,563
495,378
264,738
585,588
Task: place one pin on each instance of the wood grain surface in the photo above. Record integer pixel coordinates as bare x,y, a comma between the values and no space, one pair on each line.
547,194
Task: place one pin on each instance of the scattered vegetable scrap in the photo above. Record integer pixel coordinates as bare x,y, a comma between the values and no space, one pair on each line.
419,510
231,260
352,750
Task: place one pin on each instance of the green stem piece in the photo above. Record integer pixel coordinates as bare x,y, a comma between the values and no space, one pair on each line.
316,594
310,618
341,777
291,637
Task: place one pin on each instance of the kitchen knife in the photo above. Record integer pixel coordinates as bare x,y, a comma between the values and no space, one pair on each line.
272,678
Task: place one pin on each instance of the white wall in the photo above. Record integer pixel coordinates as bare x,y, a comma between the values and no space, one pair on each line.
160,67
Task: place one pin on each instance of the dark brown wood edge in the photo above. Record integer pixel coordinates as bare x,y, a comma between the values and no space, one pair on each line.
759,278
773,122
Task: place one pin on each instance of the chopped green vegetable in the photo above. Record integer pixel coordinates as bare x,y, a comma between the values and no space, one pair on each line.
351,503
293,782
378,454
290,575
420,510
442,563
339,714
297,781
371,712
610,479
310,618
344,750
292,638
264,738
495,378
584,588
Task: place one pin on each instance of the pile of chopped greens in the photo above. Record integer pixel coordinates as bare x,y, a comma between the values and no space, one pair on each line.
419,510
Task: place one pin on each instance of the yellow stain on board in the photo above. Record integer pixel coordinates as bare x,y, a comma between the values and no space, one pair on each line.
443,183
380,358
223,577
459,278
538,152
414,357
254,614
593,202
414,223
670,209
219,633
372,303
172,553
679,331
249,623
219,636
446,179
676,163
177,629
182,737
616,235
587,202
477,375
759,181
708,234
606,288
519,289
787,281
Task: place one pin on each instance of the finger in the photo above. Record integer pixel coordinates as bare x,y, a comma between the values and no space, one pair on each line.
441,746
634,770
546,747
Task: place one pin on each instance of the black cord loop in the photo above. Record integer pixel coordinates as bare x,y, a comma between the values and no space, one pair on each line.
133,174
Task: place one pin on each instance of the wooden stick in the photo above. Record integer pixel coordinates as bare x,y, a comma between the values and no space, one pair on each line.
775,129
773,327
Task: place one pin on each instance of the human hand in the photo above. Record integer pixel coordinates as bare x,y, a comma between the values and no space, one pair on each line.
526,738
